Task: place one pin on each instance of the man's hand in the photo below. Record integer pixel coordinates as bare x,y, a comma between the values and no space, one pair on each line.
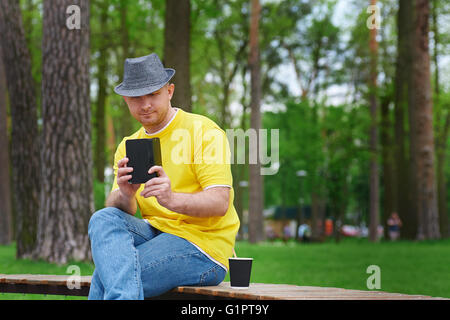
123,198
159,187
123,175
212,202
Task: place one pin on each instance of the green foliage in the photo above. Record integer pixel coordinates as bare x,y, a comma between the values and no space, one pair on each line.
329,143
219,38
327,139
32,23
300,149
136,26
99,194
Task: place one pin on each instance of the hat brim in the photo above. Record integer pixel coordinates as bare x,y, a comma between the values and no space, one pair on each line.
137,92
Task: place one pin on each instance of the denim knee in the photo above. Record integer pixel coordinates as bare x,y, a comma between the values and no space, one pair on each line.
213,276
99,217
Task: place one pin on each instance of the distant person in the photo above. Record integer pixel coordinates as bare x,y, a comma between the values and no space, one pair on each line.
286,233
271,235
304,232
329,227
394,224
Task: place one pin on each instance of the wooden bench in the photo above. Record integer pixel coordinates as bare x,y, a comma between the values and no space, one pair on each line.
57,285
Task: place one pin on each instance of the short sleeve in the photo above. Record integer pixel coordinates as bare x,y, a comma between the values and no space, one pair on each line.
212,159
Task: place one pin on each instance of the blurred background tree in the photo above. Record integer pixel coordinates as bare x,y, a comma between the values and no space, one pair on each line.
318,80
23,129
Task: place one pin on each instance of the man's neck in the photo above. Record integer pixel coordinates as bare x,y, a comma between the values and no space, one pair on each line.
170,114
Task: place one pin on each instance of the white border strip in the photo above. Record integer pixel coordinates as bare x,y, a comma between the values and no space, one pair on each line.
217,185
209,257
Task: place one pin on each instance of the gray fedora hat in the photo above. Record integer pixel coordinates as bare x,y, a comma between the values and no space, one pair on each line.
143,75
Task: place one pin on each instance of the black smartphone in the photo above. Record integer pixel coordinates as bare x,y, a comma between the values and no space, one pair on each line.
143,154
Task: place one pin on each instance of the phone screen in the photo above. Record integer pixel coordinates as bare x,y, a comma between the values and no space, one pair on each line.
143,154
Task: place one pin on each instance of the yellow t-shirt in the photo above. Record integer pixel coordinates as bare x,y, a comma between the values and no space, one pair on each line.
195,155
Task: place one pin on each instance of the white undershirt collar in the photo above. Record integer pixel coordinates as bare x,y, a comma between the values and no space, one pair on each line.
160,130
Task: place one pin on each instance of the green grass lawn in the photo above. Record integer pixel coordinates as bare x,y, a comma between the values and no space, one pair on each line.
9,265
406,267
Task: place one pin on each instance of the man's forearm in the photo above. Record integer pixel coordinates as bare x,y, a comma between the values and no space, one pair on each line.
118,200
212,202
208,203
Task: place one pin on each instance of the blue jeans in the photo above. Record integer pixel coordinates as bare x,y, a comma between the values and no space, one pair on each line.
133,260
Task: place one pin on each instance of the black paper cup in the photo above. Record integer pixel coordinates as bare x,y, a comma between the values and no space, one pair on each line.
240,270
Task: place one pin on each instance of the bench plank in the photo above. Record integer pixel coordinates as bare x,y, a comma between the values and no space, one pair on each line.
262,291
57,284
42,279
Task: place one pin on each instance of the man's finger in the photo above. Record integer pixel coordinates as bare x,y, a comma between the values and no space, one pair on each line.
156,181
159,170
123,179
155,187
125,170
148,192
122,162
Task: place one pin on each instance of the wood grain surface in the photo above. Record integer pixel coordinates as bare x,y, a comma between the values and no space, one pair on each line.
256,291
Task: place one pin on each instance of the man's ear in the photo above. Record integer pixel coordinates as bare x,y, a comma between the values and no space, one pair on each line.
171,89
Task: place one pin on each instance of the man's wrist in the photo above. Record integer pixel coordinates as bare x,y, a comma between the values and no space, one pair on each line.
127,203
176,202
124,198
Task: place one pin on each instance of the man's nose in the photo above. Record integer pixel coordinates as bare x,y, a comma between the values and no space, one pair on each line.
146,102
146,106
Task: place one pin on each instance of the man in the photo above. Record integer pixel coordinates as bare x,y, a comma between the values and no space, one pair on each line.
189,222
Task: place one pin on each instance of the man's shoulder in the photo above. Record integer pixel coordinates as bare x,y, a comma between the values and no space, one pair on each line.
138,134
192,119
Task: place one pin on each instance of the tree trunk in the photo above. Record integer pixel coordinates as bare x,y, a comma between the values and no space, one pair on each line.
24,129
436,39
442,200
5,186
66,194
239,170
125,127
373,136
111,141
100,119
317,216
389,200
177,50
256,229
422,137
442,133
402,91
